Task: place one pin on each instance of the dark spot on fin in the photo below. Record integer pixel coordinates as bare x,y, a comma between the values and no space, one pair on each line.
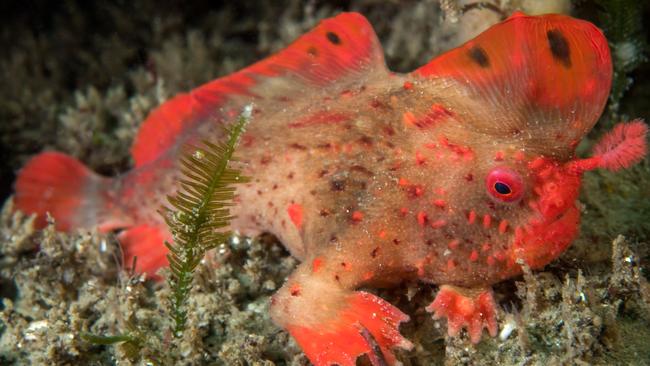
312,51
478,55
559,47
333,38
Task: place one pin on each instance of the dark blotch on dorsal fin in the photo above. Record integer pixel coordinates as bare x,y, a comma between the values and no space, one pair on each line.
168,126
559,47
478,55
333,38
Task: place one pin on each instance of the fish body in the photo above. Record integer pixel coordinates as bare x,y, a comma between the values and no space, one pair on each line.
455,174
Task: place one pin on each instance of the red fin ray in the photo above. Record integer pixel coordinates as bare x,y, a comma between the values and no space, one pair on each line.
344,47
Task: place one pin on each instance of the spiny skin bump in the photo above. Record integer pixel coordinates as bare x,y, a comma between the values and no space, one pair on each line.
452,174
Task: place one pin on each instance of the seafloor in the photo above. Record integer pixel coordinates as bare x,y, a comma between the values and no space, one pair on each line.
80,76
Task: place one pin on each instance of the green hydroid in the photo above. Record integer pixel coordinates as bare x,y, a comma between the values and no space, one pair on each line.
200,211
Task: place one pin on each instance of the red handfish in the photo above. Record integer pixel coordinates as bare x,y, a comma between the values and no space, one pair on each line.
454,174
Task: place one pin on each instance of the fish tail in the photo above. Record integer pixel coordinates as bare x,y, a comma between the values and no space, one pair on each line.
62,186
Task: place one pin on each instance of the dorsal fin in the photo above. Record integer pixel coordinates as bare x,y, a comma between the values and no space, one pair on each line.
342,47
547,77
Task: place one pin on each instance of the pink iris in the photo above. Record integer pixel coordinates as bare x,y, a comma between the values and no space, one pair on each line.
504,184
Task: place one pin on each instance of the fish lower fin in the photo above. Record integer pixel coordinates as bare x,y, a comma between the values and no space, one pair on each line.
62,186
365,324
473,309
333,323
146,243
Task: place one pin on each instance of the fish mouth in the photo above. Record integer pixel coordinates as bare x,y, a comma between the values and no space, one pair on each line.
537,244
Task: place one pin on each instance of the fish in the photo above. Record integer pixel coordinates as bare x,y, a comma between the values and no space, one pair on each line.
456,174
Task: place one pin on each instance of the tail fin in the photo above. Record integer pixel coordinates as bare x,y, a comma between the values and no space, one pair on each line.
61,185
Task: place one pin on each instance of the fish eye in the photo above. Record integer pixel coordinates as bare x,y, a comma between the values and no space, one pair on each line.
504,184
502,188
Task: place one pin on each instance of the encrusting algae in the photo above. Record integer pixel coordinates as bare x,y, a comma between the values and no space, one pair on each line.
563,315
558,317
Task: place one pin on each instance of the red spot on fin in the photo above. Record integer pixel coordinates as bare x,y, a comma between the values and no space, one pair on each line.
403,182
473,256
503,226
439,203
422,218
451,265
295,214
487,221
471,217
316,264
357,216
490,260
61,185
436,114
453,244
147,243
438,224
409,118
342,47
